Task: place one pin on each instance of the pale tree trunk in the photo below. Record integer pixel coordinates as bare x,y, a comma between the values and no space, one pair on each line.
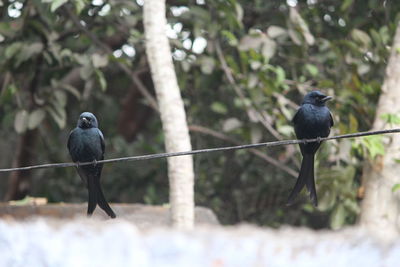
173,117
381,207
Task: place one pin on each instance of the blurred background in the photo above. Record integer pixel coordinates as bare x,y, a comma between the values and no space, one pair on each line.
243,68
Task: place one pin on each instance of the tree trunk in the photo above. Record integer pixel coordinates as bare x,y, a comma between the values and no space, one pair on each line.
173,117
134,116
19,182
381,207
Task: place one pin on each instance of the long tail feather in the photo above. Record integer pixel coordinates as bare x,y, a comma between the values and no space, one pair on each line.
92,201
306,178
101,200
310,184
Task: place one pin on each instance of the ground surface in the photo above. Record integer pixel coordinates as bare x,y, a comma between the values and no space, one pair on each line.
142,238
143,216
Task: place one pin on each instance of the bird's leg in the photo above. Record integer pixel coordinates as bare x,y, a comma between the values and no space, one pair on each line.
319,139
94,162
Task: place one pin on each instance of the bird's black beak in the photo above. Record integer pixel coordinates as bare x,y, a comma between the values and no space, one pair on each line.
326,98
85,121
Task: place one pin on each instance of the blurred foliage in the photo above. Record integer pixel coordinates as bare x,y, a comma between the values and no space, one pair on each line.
243,67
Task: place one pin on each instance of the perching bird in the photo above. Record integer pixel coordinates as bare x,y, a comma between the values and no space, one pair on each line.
312,120
86,144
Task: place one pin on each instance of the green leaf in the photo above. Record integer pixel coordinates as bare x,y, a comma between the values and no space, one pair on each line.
9,29
58,114
13,49
251,41
8,93
391,118
35,118
79,5
276,31
239,12
231,124
207,64
21,202
99,61
328,200
55,4
280,75
27,52
218,107
299,25
86,72
268,48
361,37
21,121
385,34
351,205
61,98
101,79
353,127
72,90
376,37
308,207
338,217
285,130
346,4
312,69
395,188
232,40
374,145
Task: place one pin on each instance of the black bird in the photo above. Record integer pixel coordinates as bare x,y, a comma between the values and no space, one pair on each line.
312,120
86,144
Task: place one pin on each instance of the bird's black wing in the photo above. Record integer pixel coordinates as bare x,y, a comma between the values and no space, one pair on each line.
69,141
295,121
295,117
102,142
71,138
100,199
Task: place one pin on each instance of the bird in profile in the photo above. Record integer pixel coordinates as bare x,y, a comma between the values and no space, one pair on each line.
312,120
86,144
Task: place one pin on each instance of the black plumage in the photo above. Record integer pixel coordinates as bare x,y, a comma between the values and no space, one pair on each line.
86,144
312,120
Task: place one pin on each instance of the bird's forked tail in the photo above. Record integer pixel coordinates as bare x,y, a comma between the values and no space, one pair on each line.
306,178
96,196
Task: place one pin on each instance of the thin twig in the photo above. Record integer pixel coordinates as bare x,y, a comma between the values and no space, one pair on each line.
251,111
207,150
142,89
276,163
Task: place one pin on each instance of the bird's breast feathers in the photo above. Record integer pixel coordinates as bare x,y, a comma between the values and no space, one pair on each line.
312,121
85,145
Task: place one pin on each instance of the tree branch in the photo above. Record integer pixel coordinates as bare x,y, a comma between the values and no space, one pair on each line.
251,111
207,131
142,89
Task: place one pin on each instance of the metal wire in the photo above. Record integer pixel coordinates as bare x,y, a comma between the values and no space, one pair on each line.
200,151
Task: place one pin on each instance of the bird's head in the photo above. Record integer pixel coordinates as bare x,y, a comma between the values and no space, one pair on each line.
87,120
316,98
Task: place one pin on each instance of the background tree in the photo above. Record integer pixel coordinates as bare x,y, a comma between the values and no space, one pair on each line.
172,112
243,66
380,209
